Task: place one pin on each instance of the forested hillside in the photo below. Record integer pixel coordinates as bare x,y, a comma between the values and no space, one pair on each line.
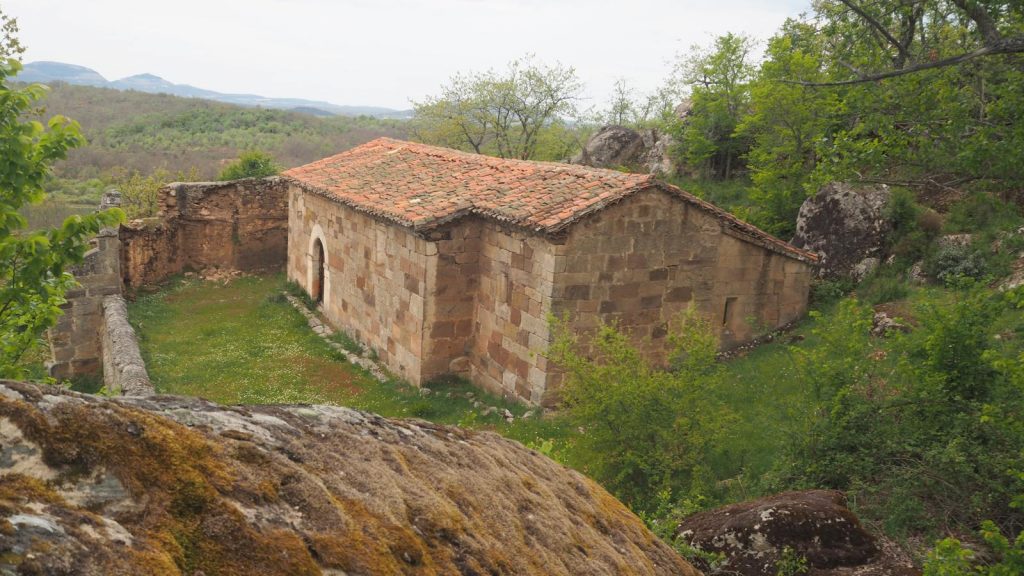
138,132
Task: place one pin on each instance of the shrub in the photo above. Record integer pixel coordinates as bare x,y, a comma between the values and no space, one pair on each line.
883,287
953,261
829,291
981,211
644,430
926,439
252,164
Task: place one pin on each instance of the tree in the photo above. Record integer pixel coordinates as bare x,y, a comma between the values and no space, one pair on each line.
511,115
784,127
10,46
646,430
913,35
252,164
719,79
33,266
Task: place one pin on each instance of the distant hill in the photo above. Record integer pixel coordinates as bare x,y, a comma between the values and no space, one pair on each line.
137,130
56,72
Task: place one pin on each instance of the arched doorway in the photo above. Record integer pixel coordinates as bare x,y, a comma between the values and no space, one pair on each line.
318,268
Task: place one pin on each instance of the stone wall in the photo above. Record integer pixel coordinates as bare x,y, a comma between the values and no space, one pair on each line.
75,341
375,277
240,225
511,332
124,371
641,262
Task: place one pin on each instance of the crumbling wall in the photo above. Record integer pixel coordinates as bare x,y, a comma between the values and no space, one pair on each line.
242,224
124,370
75,340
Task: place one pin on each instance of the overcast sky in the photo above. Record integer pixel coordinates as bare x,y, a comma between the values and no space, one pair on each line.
378,52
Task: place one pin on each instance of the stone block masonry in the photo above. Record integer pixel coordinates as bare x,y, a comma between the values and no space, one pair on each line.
76,342
242,224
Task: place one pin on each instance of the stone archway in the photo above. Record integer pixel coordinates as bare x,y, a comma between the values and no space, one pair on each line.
318,269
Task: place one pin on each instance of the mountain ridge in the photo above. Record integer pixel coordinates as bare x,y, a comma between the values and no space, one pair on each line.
45,71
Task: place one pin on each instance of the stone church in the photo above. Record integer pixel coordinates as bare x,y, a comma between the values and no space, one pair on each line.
448,262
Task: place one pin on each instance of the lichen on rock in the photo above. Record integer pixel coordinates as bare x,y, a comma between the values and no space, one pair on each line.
171,485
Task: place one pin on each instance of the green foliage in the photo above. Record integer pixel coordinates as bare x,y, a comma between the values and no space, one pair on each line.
719,79
829,291
525,112
645,430
140,194
790,563
663,520
923,435
951,558
981,211
786,125
251,164
953,261
883,286
33,265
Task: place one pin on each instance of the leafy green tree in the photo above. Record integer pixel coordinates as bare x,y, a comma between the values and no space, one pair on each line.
252,164
719,81
522,113
33,265
785,126
645,430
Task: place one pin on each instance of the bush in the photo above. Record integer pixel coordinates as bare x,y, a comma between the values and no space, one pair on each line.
982,211
252,164
644,430
927,438
829,291
883,287
953,261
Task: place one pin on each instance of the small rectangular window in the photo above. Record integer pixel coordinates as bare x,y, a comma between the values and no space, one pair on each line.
730,307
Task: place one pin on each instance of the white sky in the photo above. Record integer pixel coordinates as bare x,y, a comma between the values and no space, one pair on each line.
382,53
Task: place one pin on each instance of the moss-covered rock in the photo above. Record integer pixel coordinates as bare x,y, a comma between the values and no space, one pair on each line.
169,485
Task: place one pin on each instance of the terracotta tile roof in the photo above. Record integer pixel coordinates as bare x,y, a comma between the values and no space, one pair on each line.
423,187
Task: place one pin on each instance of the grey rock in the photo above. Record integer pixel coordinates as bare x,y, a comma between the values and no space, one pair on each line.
844,224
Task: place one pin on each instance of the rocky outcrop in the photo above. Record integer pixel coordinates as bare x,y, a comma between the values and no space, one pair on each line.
169,485
844,224
815,525
622,147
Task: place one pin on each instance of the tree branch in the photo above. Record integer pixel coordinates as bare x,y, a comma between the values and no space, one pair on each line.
903,54
1014,45
981,17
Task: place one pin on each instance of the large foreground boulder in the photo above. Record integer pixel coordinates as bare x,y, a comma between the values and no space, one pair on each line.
814,525
168,485
845,224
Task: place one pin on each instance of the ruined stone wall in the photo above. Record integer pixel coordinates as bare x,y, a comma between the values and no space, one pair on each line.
75,342
641,262
375,277
240,224
510,330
